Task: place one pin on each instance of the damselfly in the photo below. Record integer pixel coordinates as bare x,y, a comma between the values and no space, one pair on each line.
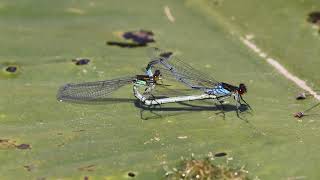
172,67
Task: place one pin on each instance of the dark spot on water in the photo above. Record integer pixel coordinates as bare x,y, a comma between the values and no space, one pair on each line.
59,134
80,62
166,54
221,154
314,17
62,144
131,174
11,69
80,130
125,45
139,37
29,167
300,97
23,146
86,178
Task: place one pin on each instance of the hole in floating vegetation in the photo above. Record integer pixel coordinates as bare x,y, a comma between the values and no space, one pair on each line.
221,154
131,174
11,69
81,61
24,146
314,17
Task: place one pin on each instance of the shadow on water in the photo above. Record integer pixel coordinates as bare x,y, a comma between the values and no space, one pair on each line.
186,107
125,44
165,110
102,101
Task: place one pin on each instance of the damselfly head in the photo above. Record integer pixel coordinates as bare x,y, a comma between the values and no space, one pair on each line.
156,75
242,89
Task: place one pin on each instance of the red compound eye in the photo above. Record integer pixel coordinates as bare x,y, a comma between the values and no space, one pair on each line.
242,89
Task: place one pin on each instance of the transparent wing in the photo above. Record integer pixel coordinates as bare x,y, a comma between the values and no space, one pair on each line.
91,90
172,67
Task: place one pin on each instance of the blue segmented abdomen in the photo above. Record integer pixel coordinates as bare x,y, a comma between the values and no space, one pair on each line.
218,91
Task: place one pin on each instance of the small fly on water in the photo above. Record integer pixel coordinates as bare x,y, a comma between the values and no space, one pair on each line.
173,68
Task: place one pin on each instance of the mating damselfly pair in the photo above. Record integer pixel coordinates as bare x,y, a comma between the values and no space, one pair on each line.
163,65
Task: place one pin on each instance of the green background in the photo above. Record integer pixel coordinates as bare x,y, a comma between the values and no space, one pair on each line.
42,37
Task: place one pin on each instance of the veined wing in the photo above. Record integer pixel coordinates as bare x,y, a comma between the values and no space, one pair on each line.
173,68
91,90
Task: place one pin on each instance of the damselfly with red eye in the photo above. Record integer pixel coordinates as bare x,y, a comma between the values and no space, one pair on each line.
172,67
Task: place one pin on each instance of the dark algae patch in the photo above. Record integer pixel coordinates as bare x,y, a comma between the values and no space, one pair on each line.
221,154
23,146
204,169
80,61
139,38
11,69
131,174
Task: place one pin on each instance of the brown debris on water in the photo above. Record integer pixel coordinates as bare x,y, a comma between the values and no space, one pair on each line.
298,114
205,169
29,167
302,96
7,144
314,17
88,168
11,144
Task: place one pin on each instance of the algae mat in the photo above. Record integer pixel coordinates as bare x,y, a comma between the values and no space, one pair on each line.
42,138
